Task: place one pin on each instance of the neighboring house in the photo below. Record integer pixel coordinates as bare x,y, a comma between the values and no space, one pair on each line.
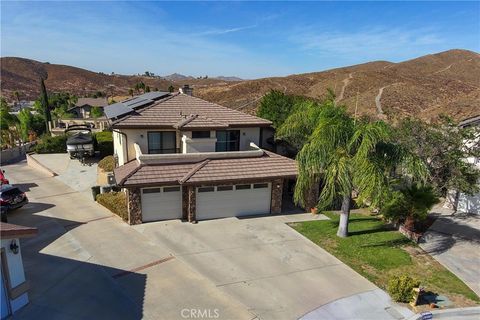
181,157
14,287
459,201
83,107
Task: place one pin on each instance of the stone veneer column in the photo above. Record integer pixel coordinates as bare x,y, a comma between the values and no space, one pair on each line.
277,192
192,204
134,204
184,203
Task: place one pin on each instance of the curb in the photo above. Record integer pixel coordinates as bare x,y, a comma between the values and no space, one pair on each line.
447,313
35,164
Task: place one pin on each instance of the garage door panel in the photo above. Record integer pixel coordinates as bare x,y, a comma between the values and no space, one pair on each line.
220,204
161,203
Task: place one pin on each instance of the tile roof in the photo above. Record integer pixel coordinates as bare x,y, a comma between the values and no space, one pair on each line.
9,231
170,111
268,166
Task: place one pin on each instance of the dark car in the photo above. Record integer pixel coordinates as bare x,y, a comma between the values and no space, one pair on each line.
11,198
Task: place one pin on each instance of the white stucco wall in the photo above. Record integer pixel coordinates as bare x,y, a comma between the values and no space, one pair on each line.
468,204
248,135
16,273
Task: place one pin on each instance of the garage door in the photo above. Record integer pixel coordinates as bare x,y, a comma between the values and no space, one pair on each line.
161,203
233,201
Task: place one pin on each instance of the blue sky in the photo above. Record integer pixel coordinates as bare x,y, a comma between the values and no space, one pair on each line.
246,39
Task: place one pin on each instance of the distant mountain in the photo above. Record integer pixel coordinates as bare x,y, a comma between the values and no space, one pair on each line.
442,83
447,82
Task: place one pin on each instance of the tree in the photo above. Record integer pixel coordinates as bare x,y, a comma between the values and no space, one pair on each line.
156,89
8,125
444,147
16,94
45,105
410,204
130,92
147,89
171,88
25,119
96,112
345,154
276,107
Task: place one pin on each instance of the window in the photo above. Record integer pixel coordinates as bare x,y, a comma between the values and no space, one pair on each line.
200,134
206,189
242,186
224,188
151,190
171,189
162,142
228,140
260,185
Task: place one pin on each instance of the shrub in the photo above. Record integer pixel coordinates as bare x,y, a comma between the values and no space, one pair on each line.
104,143
48,144
401,287
115,202
107,163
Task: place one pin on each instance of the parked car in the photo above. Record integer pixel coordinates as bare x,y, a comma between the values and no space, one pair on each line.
3,180
11,198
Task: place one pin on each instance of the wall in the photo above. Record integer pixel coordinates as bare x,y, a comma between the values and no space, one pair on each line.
190,145
248,135
8,155
16,273
468,204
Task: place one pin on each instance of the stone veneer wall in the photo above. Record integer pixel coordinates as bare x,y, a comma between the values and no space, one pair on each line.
192,204
277,192
134,204
185,203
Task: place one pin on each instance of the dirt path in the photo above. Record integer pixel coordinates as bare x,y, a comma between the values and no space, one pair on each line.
444,69
377,101
345,81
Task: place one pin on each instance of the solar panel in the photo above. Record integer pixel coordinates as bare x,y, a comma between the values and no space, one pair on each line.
121,108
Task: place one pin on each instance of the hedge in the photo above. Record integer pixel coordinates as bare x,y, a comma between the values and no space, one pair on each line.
104,143
116,202
107,163
49,144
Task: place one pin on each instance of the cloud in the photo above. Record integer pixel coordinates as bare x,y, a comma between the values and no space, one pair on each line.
224,31
367,42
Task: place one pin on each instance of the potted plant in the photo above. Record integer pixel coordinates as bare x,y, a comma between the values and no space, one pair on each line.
314,210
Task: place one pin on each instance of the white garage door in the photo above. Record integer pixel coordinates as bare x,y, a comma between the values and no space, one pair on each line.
233,201
161,203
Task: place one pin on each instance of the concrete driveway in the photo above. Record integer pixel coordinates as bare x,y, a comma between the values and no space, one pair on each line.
87,263
261,262
454,242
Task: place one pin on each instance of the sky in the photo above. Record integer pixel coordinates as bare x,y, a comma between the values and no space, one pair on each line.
244,39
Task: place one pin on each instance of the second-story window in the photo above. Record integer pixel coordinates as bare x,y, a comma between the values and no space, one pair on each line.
228,140
162,142
200,134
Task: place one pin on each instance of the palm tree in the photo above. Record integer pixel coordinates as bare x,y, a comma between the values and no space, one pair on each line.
344,154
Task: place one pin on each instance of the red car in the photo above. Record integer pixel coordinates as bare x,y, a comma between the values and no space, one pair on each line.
3,180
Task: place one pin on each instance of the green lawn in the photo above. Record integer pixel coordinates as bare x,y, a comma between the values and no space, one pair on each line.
377,253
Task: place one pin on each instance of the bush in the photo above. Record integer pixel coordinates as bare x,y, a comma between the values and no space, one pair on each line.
104,143
107,163
401,287
48,144
115,202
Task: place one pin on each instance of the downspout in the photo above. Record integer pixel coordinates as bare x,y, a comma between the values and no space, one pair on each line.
126,141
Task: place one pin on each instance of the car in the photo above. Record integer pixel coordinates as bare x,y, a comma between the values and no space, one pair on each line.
3,180
11,198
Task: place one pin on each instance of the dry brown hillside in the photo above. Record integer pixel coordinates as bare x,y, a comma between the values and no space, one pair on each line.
447,82
23,75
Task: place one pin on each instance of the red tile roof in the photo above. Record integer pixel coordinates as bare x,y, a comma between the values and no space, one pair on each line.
174,110
9,231
268,166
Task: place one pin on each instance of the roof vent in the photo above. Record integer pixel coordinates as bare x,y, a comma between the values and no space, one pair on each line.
186,90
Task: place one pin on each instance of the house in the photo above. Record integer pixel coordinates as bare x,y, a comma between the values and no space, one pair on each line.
14,287
181,157
459,201
83,107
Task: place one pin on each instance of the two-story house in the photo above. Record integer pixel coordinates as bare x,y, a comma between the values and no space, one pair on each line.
181,157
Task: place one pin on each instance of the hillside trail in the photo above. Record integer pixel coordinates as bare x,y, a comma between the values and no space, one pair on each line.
444,69
345,81
377,101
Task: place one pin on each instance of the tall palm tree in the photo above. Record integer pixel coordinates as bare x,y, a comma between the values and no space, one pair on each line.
344,154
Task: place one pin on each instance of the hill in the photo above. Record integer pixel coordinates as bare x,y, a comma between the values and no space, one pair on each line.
446,82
